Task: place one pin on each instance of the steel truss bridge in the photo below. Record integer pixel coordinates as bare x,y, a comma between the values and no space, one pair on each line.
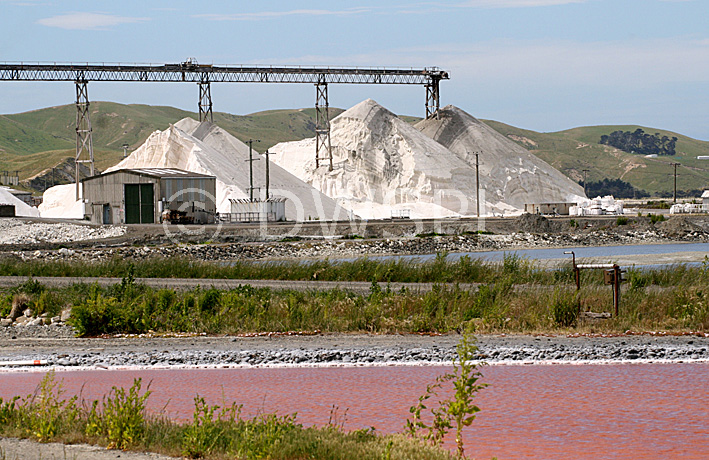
205,75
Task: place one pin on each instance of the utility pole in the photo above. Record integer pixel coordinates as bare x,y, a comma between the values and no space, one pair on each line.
477,183
674,195
251,167
267,153
584,181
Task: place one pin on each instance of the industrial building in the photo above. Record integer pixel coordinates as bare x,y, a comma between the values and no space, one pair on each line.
141,196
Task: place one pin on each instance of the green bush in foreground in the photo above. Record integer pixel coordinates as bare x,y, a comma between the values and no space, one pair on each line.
120,421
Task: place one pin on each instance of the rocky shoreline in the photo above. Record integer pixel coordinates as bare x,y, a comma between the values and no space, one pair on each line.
337,350
309,249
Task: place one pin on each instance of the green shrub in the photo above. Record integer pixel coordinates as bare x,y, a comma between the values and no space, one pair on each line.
46,413
121,419
98,315
564,307
621,220
655,218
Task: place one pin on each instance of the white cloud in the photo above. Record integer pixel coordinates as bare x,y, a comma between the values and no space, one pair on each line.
87,21
515,3
278,14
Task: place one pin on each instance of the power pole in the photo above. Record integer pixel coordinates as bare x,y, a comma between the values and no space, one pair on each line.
267,153
584,181
674,195
251,167
477,183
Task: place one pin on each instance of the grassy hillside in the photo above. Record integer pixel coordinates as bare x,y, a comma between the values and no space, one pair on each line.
34,141
574,150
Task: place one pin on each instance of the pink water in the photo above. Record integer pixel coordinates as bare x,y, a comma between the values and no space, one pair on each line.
638,411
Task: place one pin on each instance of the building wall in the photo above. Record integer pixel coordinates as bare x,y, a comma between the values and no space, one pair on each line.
109,189
177,193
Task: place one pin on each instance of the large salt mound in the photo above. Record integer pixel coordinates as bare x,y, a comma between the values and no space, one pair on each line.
59,202
205,148
508,172
383,165
22,209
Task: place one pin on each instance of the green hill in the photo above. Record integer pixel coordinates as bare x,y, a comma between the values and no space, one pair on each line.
32,142
573,150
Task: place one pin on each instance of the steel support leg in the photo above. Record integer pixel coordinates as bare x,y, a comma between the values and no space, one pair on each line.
205,101
323,146
433,98
84,143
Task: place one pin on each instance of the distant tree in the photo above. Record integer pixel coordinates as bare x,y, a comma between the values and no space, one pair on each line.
640,142
616,187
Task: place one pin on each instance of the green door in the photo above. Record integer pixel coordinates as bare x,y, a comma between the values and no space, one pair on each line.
132,194
140,208
147,207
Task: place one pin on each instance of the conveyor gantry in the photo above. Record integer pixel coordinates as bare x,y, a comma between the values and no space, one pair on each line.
204,75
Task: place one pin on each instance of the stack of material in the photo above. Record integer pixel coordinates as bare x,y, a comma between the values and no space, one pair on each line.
22,209
509,173
383,165
207,149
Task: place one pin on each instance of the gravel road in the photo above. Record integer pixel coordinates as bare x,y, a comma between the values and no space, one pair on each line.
23,449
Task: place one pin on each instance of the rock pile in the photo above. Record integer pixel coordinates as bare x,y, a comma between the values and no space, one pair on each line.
22,321
16,231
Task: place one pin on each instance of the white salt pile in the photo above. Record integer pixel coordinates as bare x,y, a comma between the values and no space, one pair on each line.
383,165
22,209
508,172
205,148
59,202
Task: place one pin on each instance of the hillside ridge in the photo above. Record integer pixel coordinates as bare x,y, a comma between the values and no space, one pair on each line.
33,142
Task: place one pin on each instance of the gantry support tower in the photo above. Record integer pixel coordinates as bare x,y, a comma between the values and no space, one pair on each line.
84,141
205,75
323,146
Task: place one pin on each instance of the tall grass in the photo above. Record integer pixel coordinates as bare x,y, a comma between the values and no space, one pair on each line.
441,269
497,306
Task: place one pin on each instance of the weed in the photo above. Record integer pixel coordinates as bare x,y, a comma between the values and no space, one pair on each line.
564,308
458,411
121,419
202,435
621,220
655,218
47,412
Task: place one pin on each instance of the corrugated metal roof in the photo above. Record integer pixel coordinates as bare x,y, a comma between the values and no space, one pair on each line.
163,173
705,194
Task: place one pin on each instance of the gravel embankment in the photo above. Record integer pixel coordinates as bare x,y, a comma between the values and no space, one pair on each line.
344,350
18,231
357,248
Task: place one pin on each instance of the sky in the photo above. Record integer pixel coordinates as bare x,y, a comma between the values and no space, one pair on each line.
545,65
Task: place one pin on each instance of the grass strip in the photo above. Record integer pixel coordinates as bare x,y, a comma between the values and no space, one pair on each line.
495,307
466,269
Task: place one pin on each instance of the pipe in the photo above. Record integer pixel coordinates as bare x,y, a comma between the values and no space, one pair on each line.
36,362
